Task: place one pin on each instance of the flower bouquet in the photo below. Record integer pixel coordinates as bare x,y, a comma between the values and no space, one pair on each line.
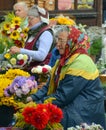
5,81
16,61
8,106
21,87
42,72
12,33
39,117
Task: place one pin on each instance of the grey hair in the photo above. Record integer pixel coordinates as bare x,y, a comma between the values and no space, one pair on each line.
33,11
60,28
22,3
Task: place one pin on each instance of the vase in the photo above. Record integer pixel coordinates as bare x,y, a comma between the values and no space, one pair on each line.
6,115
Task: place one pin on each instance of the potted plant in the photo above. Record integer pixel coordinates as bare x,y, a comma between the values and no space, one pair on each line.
95,34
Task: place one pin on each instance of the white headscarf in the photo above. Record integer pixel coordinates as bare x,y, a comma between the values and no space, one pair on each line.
38,11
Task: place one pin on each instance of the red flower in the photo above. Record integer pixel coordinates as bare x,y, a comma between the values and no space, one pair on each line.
40,119
28,113
45,70
16,27
18,43
41,115
20,62
56,113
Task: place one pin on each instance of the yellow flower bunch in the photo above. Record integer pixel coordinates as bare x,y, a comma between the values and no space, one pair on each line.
62,20
12,73
12,30
5,80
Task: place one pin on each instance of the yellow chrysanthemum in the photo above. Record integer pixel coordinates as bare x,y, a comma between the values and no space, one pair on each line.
7,56
65,21
12,73
15,35
16,20
5,80
61,20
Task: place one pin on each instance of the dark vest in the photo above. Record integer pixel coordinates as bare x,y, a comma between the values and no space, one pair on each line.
32,45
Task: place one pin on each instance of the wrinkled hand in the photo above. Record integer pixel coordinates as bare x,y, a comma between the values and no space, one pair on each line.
29,99
14,50
41,85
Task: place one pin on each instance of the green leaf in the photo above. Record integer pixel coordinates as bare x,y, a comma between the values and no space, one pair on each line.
96,46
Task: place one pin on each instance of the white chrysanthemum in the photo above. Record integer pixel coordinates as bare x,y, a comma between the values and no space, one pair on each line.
9,65
20,56
37,69
9,31
19,30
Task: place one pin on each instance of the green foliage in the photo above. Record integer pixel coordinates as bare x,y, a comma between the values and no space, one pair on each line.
5,43
96,46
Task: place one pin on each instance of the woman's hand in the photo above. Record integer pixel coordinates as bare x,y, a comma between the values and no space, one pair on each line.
14,50
41,85
29,99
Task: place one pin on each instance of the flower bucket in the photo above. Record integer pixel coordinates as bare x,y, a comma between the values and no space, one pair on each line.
6,115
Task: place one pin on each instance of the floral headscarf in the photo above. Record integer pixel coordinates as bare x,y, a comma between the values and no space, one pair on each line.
78,42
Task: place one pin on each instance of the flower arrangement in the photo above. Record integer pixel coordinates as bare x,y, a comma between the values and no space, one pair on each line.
16,60
21,87
62,20
13,33
39,117
85,126
42,71
7,79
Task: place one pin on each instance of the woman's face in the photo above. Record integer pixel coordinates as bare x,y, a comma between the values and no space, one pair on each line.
61,42
20,11
33,21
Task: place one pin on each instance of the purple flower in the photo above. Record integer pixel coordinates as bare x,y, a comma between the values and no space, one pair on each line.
21,87
31,78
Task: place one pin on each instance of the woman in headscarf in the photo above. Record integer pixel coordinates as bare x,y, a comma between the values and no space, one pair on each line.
74,82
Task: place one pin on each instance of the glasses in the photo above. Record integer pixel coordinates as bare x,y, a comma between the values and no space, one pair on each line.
60,40
30,18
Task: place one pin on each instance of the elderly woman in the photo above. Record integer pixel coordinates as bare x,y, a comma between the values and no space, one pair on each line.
40,37
21,10
74,82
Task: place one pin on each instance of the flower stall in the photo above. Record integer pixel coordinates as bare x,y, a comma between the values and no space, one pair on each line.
17,84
